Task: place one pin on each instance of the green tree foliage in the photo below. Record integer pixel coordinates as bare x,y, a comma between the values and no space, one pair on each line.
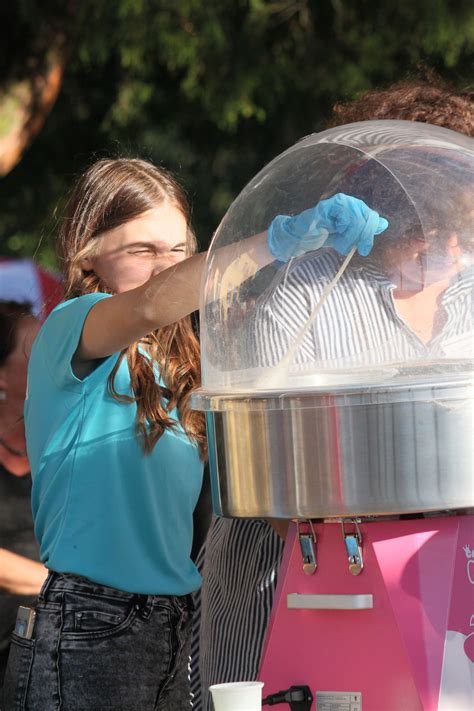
212,90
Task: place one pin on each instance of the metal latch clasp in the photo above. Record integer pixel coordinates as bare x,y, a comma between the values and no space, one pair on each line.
308,548
353,542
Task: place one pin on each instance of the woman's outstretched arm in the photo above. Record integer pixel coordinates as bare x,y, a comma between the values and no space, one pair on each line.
341,222
113,324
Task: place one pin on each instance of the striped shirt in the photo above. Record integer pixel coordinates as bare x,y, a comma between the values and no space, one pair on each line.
358,325
242,557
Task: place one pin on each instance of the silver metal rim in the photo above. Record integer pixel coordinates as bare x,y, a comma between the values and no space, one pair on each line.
449,388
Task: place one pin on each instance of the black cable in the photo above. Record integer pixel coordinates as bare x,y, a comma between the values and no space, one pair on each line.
300,698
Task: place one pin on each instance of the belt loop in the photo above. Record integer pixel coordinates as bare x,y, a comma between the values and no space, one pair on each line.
144,605
52,575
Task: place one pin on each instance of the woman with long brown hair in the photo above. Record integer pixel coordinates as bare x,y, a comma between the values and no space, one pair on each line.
115,450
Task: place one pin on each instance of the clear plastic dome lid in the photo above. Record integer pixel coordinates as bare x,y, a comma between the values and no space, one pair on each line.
327,318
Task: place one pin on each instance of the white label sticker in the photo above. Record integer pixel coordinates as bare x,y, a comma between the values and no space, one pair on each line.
338,701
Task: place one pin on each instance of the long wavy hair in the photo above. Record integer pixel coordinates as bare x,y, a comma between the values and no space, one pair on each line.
109,194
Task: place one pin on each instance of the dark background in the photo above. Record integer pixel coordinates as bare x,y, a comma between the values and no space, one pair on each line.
211,90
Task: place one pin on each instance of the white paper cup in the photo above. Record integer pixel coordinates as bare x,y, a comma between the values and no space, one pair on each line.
239,696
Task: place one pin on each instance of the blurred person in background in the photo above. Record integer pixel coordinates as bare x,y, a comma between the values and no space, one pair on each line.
28,293
253,545
21,575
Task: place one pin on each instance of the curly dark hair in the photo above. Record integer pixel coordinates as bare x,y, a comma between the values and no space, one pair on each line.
428,99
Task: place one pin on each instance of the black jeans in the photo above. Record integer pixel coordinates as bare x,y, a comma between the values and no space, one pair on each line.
95,648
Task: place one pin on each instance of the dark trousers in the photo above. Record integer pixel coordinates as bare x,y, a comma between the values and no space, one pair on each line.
95,648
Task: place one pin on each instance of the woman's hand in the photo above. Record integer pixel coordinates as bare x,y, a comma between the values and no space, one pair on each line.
341,222
20,575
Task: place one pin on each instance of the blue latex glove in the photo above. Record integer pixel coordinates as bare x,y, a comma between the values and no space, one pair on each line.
341,222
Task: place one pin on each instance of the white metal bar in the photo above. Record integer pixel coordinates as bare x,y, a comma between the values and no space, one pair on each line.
295,601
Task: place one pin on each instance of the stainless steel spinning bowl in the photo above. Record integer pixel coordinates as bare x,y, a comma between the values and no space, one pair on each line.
313,454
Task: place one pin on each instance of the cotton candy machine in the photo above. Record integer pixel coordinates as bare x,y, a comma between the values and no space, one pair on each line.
369,413
338,389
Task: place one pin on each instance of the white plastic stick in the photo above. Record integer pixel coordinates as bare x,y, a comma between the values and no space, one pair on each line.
286,360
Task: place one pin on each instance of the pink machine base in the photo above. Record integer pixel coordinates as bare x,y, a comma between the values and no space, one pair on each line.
412,650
